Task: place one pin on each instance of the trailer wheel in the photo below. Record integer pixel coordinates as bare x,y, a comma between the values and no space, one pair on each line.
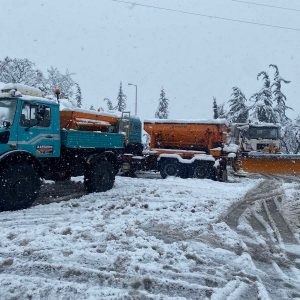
99,177
169,167
202,170
19,186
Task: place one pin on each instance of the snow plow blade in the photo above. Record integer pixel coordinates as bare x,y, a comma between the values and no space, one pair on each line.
271,163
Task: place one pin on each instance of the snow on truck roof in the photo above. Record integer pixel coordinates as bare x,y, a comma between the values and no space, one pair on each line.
22,89
28,98
114,114
24,92
187,121
87,111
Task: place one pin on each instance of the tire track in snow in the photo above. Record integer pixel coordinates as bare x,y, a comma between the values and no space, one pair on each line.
261,224
74,275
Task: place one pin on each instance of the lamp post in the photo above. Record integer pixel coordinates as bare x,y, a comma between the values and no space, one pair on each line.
135,110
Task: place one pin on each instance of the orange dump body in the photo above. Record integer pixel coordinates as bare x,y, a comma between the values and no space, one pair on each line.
87,121
193,136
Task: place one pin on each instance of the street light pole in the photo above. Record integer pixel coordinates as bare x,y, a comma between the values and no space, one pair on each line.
135,110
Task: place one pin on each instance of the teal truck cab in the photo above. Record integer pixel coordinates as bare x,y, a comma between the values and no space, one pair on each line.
33,146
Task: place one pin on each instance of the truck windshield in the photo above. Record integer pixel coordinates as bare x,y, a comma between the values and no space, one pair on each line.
263,133
7,110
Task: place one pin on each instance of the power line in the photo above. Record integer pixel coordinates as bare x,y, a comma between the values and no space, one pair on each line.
207,16
267,5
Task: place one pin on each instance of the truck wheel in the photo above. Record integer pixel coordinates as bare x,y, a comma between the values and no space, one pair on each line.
99,177
202,170
19,186
169,168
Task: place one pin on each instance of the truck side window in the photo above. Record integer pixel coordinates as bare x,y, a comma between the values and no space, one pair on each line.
35,115
25,116
45,116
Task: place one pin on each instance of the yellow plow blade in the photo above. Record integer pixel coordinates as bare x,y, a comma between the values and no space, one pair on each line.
271,163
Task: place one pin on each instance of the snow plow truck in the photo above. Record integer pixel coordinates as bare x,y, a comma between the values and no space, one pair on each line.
204,148
260,151
37,140
183,148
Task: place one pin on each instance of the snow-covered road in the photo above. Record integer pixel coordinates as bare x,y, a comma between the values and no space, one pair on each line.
149,238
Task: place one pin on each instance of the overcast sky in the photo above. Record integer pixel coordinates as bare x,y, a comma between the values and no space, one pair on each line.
194,58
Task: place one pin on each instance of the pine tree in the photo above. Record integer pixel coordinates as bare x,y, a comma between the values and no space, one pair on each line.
262,109
238,112
92,107
290,136
278,97
215,108
163,106
109,104
78,96
221,111
121,99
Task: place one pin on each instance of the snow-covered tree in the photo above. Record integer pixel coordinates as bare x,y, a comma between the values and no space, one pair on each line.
121,99
92,107
238,111
65,82
279,98
24,71
219,109
215,108
262,108
222,111
78,96
163,106
21,70
109,104
290,136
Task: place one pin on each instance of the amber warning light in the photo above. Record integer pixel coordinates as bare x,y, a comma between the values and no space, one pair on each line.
57,93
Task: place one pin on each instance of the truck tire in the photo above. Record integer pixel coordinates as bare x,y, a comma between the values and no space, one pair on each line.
169,167
99,177
202,170
19,186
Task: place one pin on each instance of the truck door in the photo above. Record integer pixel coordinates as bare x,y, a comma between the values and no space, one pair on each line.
38,130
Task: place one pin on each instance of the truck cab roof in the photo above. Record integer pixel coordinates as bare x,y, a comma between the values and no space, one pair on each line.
24,93
18,96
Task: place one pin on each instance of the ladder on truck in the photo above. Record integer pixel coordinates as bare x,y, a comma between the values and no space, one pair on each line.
125,125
